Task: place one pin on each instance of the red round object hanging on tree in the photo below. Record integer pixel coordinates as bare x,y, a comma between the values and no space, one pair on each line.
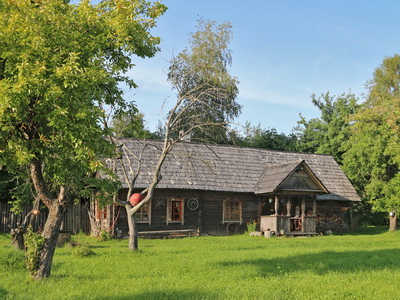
135,199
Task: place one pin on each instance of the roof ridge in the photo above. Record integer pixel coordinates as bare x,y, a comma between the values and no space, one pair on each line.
229,146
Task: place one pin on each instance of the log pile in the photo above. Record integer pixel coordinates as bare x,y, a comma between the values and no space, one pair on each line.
331,222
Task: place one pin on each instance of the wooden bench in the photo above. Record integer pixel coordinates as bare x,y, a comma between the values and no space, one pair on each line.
169,233
299,233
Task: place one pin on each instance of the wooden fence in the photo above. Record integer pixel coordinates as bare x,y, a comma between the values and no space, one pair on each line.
76,218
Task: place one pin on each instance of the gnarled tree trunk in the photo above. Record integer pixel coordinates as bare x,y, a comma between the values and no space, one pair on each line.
50,233
57,207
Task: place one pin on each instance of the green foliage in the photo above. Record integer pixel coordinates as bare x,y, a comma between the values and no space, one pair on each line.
200,76
13,259
372,159
61,64
34,243
327,134
256,137
6,184
15,189
131,126
104,236
83,250
251,226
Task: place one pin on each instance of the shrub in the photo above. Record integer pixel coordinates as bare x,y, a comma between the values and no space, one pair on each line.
34,243
83,251
251,226
104,236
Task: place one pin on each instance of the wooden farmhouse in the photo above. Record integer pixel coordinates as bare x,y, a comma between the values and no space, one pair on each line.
217,189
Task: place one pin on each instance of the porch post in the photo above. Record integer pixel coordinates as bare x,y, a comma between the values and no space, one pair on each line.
314,207
303,207
288,207
276,205
303,213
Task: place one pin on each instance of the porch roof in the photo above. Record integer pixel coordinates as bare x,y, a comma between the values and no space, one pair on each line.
294,176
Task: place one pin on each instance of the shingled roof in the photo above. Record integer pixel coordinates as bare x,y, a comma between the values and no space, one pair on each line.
289,176
209,167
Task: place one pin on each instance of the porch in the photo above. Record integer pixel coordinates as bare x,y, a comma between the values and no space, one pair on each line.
291,189
286,220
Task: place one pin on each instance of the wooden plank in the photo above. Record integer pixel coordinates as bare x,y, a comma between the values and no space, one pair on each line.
299,233
72,218
168,231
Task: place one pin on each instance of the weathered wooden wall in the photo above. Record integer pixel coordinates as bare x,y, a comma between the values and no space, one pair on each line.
159,213
75,219
213,211
275,224
207,219
309,224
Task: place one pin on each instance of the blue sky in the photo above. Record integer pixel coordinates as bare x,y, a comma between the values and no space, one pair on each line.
283,51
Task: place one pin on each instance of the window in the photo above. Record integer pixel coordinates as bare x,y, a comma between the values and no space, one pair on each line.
175,210
143,215
232,212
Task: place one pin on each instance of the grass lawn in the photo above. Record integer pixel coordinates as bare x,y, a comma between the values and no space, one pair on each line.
359,266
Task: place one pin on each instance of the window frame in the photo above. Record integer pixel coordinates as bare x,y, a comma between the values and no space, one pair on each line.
230,202
140,213
181,213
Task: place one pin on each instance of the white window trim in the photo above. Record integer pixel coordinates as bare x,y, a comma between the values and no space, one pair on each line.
149,214
169,221
240,221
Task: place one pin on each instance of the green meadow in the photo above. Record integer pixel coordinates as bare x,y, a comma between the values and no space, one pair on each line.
365,265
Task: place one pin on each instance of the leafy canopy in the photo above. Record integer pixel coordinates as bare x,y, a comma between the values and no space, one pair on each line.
131,125
60,66
326,134
372,159
257,137
201,77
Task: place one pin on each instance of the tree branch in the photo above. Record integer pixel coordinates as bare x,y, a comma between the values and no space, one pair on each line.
40,184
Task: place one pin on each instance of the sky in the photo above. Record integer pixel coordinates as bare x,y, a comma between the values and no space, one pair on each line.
283,52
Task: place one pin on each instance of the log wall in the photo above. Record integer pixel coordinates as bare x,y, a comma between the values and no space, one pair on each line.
207,219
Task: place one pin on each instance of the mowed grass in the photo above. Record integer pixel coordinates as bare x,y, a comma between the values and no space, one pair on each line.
359,266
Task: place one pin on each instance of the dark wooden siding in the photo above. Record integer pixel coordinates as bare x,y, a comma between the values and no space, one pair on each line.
213,211
207,219
159,212
75,219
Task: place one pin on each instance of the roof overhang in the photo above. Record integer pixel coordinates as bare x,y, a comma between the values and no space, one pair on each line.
294,177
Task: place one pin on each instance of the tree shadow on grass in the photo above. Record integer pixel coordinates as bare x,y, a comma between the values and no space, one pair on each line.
163,294
3,293
365,230
324,262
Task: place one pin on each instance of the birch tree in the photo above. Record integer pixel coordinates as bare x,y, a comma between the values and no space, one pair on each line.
204,106
201,71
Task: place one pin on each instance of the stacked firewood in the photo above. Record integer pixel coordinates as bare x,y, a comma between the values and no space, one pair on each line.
331,222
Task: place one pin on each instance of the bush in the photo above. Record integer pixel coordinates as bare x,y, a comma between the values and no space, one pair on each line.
104,236
34,243
83,251
251,226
